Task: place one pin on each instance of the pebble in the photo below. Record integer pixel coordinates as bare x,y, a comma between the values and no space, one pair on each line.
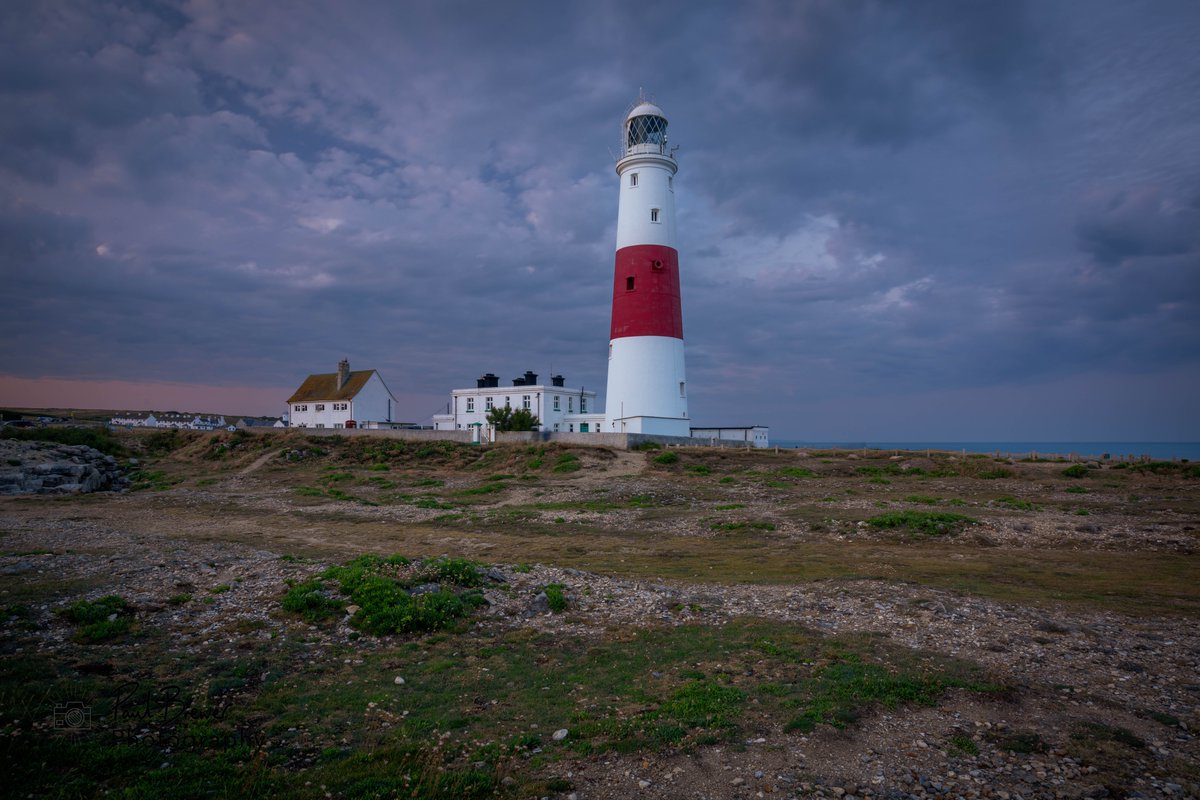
559,734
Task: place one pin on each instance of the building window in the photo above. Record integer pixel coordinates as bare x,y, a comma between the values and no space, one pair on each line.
582,405
633,179
570,405
470,405
304,407
319,425
320,406
556,426
508,402
671,182
487,404
654,215
337,425
681,394
525,404
556,403
571,428
629,284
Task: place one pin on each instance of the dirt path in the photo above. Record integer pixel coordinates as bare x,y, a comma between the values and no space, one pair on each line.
258,462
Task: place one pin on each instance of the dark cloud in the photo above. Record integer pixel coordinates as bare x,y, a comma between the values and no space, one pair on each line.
875,199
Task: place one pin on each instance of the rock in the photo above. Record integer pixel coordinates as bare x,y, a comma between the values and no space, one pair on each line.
351,610
643,784
559,734
399,681
495,575
540,604
425,588
46,468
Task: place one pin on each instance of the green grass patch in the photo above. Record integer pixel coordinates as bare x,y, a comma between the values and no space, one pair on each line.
666,458
556,597
1077,489
756,525
699,469
797,472
923,523
97,438
99,620
1008,501
1075,471
922,499
567,462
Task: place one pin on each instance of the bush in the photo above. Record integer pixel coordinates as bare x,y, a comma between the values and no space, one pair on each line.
666,458
699,469
556,598
379,587
312,601
99,619
1075,471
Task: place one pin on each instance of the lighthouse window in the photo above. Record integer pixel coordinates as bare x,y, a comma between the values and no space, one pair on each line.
633,179
681,394
671,182
654,215
629,284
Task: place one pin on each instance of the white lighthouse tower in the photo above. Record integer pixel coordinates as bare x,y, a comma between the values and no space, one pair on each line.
647,390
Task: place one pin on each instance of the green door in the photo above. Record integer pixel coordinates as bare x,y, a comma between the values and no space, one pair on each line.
583,427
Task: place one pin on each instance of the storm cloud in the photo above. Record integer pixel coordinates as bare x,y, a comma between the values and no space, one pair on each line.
882,206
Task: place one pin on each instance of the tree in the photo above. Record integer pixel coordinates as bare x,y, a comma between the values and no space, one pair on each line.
503,418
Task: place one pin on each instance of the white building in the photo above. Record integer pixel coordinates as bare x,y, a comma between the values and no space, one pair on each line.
557,406
757,435
341,399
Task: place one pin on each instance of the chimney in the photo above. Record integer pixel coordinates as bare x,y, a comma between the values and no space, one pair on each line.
557,380
343,373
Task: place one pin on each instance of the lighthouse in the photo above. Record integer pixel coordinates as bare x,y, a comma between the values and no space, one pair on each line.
647,389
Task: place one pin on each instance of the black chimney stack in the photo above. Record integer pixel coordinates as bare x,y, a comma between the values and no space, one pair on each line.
557,380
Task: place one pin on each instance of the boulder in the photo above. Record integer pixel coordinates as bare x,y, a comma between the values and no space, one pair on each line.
30,467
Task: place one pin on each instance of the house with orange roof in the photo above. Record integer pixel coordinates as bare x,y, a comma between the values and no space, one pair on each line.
342,399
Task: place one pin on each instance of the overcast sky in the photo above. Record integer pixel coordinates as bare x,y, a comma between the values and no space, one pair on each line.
897,220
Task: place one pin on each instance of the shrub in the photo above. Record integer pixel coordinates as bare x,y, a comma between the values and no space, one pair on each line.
647,446
312,601
666,458
460,571
99,619
556,597
699,469
1075,471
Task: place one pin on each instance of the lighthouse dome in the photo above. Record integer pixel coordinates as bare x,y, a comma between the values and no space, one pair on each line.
645,110
645,129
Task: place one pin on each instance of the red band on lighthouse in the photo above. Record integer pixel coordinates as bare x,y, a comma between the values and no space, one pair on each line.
646,292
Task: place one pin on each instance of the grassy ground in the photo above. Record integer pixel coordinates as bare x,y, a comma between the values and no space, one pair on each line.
478,706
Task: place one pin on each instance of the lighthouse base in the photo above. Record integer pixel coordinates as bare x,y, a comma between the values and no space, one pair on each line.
646,387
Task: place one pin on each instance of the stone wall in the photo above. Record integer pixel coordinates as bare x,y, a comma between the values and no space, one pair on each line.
48,468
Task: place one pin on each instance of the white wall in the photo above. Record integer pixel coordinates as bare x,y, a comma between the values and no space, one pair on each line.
541,404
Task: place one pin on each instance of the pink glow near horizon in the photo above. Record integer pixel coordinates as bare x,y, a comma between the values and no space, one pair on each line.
142,396
16,392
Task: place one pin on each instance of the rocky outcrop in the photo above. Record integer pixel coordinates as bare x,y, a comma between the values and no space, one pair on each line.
48,468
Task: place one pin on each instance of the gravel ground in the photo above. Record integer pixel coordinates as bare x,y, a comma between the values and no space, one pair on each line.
1068,667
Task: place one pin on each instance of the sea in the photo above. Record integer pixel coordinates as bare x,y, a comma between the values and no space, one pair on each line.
1159,451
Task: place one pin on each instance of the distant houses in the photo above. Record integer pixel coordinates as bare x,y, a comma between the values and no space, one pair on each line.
168,419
